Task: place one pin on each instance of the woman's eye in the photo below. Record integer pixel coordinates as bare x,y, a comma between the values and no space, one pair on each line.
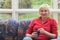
41,10
45,10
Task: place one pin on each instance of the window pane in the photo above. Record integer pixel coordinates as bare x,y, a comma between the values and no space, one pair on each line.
28,16
58,3
5,4
59,23
6,15
32,3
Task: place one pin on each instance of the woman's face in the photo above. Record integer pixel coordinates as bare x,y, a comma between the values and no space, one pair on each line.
44,12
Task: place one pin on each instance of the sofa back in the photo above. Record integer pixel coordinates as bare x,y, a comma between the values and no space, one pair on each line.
8,28
23,25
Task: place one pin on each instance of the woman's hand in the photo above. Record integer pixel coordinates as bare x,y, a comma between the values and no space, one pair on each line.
34,34
47,33
41,30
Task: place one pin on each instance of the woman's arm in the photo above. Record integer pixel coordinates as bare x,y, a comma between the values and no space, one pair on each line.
34,34
51,35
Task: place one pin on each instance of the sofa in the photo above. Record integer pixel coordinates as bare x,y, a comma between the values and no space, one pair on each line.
8,29
18,29
23,25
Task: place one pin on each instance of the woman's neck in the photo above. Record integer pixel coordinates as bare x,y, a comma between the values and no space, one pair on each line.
43,19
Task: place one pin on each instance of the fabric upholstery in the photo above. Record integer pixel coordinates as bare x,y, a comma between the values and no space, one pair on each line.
23,25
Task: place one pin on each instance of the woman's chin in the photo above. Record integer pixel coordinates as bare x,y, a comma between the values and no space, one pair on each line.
44,17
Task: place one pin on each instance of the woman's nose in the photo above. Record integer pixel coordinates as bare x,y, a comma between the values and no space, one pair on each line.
44,12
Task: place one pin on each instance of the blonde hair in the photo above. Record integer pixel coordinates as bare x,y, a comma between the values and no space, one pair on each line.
44,5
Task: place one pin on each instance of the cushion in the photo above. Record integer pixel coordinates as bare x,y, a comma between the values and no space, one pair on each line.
23,25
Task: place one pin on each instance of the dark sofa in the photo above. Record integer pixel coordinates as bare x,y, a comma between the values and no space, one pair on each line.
8,29
18,28
23,25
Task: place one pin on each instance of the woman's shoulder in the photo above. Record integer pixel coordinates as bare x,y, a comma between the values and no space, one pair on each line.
51,19
35,19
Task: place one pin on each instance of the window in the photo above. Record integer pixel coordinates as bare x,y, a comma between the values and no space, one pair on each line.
32,3
27,16
6,15
5,4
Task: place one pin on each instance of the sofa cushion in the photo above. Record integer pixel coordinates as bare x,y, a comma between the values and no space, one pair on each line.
23,25
12,25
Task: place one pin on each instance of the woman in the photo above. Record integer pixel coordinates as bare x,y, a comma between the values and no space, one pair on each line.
43,27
